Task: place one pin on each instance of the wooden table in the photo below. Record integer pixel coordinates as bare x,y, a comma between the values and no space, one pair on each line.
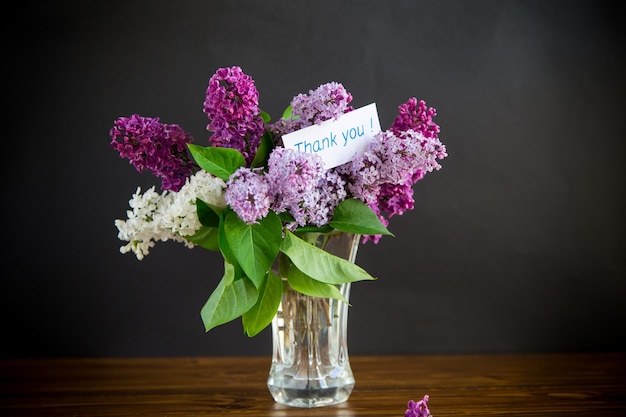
572,384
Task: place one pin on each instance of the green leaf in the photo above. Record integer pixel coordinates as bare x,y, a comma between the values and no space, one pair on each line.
319,264
219,161
261,315
206,214
254,246
286,217
314,229
206,237
263,152
352,215
230,299
227,253
287,114
265,116
308,286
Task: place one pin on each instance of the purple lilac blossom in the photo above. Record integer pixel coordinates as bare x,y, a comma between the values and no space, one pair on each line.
328,101
397,155
362,180
331,192
232,106
416,116
362,177
418,409
294,179
247,193
407,157
158,147
391,164
395,199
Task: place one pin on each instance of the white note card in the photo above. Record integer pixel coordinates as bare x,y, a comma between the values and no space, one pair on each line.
337,141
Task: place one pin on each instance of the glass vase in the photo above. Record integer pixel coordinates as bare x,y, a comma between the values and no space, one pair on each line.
310,363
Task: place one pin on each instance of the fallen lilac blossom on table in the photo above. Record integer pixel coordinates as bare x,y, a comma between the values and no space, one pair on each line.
418,409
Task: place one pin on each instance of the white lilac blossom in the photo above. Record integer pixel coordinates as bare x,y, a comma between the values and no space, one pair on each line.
143,226
180,216
167,216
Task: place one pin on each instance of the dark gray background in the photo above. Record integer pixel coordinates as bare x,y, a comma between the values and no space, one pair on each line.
516,245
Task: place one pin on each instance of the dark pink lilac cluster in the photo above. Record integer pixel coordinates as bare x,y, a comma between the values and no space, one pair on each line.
417,116
232,106
158,147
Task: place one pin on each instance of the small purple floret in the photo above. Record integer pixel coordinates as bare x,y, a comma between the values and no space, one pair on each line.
418,409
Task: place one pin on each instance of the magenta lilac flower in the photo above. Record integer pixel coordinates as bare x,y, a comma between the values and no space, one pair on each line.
395,199
232,106
418,409
158,147
247,193
416,116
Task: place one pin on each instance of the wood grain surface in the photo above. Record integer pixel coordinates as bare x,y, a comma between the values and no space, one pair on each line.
566,384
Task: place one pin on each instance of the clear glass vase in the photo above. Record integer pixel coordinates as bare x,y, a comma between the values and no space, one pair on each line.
310,363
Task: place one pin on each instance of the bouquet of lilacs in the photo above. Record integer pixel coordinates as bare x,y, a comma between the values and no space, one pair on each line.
251,198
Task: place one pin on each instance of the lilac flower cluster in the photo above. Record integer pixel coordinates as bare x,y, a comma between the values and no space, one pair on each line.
417,116
150,144
382,177
168,215
232,106
418,409
328,101
294,182
247,193
302,187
